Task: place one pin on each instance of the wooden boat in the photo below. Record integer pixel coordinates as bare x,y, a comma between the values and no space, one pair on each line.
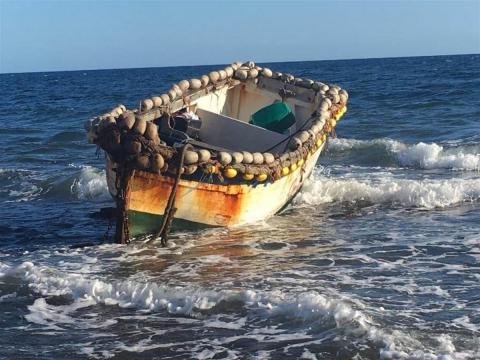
212,150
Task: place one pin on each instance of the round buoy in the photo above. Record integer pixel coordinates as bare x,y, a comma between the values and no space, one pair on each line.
190,157
230,172
261,177
203,155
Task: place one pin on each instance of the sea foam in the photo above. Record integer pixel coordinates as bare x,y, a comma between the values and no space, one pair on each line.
426,194
90,184
420,155
307,306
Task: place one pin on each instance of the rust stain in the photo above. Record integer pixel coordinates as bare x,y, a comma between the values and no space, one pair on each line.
212,203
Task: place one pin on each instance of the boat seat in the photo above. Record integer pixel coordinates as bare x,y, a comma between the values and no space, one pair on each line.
235,135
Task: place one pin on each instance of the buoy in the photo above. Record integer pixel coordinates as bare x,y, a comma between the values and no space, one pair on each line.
294,143
157,162
343,98
195,84
303,136
229,71
293,167
224,157
248,177
223,74
336,98
277,75
190,157
332,91
203,155
165,99
266,72
118,110
184,85
214,76
257,158
261,177
126,121
268,158
172,94
253,73
205,80
241,74
140,126
157,101
324,137
249,64
300,163
151,131
247,157
285,170
319,141
147,104
324,105
333,122
178,90
297,81
306,83
230,172
237,157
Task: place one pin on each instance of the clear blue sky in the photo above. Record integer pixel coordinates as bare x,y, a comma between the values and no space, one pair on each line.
72,35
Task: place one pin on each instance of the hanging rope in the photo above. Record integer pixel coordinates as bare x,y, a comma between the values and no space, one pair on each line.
122,182
170,208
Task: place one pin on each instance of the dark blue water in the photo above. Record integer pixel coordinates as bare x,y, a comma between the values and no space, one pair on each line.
378,256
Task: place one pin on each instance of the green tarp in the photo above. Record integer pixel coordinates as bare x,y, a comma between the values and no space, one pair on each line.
276,117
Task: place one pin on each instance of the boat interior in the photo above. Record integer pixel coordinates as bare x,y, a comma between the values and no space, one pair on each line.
223,118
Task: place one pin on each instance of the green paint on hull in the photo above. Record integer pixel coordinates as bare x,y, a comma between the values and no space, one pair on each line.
141,223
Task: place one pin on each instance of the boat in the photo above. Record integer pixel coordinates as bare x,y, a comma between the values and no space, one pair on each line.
228,148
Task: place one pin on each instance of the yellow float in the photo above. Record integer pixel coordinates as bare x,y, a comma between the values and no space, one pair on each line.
261,177
230,172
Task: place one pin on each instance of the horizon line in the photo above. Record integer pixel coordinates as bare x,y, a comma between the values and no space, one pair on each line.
267,62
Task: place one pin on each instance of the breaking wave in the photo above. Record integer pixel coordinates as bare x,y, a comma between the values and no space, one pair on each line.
421,155
86,183
90,184
426,194
309,307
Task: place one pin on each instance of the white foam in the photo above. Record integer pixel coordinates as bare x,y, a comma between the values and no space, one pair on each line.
310,306
426,194
91,184
421,155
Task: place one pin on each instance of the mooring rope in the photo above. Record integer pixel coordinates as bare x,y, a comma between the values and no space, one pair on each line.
170,208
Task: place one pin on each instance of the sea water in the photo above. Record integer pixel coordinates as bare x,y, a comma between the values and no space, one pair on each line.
377,257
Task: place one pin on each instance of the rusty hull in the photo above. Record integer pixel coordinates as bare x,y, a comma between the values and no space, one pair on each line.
212,204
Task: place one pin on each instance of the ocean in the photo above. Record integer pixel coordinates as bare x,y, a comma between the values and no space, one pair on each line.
377,257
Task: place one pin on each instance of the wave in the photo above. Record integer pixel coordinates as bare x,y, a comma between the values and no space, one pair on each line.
86,183
426,194
420,155
90,184
308,307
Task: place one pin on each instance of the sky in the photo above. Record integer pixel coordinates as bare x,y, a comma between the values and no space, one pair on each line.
100,34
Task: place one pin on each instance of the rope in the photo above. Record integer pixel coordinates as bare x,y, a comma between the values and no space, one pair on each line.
170,208
122,181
